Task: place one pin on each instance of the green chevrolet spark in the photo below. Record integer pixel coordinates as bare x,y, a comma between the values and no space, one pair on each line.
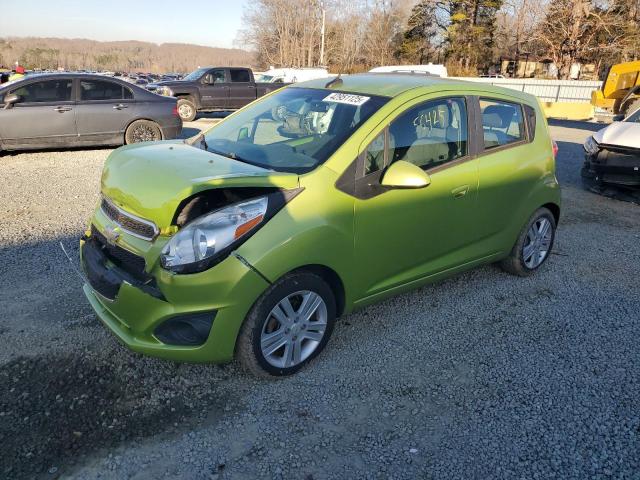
249,241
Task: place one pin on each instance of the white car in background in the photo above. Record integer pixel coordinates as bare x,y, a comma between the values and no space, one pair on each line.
292,75
612,155
429,69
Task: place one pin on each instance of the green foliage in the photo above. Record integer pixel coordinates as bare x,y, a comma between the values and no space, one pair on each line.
470,33
418,39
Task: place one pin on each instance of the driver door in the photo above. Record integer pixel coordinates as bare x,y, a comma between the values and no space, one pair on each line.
43,117
405,235
214,92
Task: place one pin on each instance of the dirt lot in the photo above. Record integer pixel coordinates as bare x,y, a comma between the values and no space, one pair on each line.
484,375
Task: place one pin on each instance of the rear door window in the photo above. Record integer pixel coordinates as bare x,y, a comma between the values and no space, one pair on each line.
93,90
502,123
240,76
58,90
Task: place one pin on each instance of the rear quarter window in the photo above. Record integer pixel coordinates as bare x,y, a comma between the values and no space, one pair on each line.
530,116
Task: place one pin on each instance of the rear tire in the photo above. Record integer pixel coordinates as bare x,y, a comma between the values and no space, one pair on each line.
533,246
186,109
142,131
274,343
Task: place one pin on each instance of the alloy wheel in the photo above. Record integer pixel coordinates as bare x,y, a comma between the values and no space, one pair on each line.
537,243
294,329
143,133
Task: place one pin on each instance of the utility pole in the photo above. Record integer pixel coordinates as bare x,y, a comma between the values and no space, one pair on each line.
324,14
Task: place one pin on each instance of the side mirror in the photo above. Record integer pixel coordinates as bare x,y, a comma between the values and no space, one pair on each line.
402,174
243,134
10,99
208,79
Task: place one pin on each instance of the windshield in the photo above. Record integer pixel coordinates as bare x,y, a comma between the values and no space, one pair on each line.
196,74
634,117
293,130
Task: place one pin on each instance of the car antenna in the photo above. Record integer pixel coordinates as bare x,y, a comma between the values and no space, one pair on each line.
334,82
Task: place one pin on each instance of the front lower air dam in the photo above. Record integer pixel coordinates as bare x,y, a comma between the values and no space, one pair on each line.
189,330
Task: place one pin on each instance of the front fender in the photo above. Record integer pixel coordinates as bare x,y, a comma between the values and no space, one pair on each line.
315,228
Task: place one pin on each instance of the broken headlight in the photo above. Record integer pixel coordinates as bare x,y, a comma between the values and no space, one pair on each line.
207,237
591,146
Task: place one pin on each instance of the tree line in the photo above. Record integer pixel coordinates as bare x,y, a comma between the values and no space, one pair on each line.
125,56
469,36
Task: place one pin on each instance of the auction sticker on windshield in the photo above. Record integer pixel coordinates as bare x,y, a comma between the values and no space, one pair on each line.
347,98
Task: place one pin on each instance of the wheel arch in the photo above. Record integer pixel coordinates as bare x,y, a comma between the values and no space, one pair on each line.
332,278
554,208
193,97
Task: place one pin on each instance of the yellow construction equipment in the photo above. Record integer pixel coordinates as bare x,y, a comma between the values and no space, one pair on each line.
620,92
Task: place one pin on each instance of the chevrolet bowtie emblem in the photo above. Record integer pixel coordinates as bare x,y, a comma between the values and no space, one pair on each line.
112,234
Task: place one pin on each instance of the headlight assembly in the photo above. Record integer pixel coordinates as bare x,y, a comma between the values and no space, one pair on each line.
166,91
208,239
210,234
591,146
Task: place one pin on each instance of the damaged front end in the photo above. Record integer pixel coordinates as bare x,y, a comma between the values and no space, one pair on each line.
611,164
159,257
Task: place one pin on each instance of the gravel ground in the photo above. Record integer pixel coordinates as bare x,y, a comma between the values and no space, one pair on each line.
482,376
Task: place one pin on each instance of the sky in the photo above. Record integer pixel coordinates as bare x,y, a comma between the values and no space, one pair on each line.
213,23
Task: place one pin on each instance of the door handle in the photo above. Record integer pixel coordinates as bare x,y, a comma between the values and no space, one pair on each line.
120,106
62,109
460,191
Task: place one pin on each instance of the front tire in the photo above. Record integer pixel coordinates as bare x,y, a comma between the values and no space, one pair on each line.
288,326
186,109
533,246
142,131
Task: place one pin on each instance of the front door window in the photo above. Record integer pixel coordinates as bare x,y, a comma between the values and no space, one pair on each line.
45,92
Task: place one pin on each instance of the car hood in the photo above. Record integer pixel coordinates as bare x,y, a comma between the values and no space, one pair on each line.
150,180
623,134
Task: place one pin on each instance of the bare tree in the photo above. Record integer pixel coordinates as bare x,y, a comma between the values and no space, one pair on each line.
516,23
574,30
283,32
72,54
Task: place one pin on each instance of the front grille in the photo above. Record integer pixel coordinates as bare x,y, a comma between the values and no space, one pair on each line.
126,260
137,227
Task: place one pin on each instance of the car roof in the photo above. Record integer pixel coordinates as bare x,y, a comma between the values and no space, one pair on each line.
394,84
48,75
54,75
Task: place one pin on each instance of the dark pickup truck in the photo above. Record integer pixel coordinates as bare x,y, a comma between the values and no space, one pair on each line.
213,89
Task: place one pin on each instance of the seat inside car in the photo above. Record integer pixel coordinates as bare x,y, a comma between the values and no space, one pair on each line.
431,138
496,119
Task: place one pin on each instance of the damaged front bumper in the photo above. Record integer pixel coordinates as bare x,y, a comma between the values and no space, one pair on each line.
614,165
194,318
